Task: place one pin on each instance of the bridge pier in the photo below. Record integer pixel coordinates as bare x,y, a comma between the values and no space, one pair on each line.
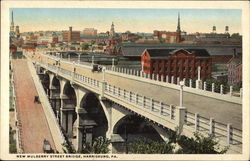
70,123
63,120
80,93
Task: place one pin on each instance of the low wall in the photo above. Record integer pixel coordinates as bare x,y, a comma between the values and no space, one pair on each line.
51,120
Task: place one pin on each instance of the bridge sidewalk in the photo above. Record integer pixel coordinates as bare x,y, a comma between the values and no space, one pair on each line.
34,125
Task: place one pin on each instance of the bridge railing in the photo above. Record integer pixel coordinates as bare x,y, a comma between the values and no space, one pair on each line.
188,82
153,106
91,82
232,136
214,128
165,111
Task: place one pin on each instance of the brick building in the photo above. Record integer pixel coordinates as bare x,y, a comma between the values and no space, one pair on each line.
182,63
235,69
71,36
219,53
13,48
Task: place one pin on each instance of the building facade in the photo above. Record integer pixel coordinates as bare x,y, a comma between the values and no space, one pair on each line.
178,63
235,69
71,36
90,32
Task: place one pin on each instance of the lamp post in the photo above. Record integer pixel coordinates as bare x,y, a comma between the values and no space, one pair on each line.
79,56
199,73
198,81
181,93
93,59
113,62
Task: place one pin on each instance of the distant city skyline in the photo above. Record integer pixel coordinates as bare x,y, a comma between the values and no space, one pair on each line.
134,20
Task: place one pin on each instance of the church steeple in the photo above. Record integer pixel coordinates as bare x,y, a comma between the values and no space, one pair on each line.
12,27
178,25
178,30
112,30
12,19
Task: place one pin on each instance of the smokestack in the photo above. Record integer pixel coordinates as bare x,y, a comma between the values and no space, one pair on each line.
214,29
70,34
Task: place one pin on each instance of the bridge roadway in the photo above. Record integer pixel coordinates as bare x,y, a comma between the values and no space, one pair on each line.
33,124
222,108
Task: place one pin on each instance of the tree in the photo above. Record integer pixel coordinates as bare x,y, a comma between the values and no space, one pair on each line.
179,144
99,146
217,84
199,144
147,146
161,41
84,46
69,149
236,36
237,86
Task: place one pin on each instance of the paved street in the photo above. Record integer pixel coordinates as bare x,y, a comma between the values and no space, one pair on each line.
34,125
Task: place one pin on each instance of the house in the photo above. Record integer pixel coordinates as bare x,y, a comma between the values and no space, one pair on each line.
235,69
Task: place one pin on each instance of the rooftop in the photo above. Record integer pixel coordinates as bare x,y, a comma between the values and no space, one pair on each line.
136,49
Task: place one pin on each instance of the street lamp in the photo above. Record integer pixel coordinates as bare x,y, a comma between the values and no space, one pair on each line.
113,62
79,56
199,73
92,60
181,93
103,71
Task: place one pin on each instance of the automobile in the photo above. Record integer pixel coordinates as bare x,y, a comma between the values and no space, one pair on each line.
96,68
47,147
37,100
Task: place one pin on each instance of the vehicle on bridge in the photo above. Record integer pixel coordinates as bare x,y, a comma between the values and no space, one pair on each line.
96,68
47,147
37,100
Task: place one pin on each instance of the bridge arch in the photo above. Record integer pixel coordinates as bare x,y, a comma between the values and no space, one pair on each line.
46,82
68,104
55,99
131,128
92,119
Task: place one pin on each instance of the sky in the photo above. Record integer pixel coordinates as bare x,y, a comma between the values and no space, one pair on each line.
134,20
